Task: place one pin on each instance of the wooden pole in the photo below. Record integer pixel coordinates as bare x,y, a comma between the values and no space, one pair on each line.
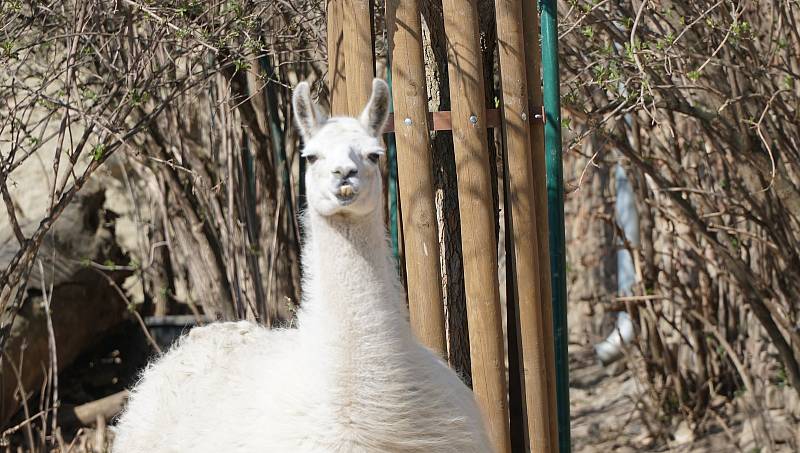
360,59
516,128
337,80
479,246
533,56
415,173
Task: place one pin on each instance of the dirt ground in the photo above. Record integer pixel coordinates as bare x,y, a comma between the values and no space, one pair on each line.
603,405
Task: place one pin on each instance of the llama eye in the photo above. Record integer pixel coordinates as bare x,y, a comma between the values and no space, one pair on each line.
374,157
311,158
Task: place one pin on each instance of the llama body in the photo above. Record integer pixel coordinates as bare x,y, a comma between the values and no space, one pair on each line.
351,377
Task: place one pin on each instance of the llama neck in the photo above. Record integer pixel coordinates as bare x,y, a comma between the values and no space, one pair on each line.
351,286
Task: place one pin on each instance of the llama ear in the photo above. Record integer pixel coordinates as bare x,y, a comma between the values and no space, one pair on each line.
375,114
306,114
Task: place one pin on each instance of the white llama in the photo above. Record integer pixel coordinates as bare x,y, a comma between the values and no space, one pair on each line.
351,377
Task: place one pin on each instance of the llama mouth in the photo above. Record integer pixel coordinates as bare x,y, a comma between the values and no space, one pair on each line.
346,194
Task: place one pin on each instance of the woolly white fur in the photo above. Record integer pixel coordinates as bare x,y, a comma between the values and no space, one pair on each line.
351,377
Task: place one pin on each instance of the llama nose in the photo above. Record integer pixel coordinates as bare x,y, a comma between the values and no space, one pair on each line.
345,172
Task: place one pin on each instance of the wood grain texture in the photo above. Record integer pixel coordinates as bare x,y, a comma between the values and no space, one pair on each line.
360,63
337,80
415,177
516,130
479,246
533,58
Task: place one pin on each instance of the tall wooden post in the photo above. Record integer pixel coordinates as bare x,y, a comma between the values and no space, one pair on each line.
360,66
479,246
415,173
528,194
517,117
533,56
337,80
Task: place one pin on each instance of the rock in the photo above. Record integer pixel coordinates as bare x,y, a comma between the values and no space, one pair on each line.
683,433
780,429
747,438
782,433
797,436
84,304
792,402
624,449
774,397
644,441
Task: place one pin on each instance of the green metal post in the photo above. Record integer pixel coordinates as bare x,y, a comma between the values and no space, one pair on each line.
391,163
555,203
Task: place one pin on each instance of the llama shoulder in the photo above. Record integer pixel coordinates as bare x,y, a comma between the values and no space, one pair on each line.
211,348
194,383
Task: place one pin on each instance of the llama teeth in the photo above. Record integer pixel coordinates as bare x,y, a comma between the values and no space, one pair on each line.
346,190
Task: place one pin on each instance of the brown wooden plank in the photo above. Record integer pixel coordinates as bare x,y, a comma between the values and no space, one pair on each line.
533,58
360,62
516,130
415,174
479,247
337,81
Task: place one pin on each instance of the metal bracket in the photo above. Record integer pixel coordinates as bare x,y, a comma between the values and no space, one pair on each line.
442,121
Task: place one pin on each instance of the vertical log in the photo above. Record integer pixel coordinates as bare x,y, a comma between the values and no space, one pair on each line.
337,80
516,128
360,66
477,217
415,173
530,15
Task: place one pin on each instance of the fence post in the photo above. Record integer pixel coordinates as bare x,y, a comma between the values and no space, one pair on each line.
479,247
555,199
391,178
360,60
337,80
415,173
518,116
533,57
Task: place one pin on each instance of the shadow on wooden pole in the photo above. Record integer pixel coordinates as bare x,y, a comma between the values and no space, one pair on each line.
533,57
518,114
479,246
415,172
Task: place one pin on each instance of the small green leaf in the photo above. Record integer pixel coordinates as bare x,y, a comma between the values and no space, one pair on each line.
98,151
241,65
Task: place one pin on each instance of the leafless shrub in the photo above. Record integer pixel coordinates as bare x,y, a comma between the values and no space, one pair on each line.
175,87
185,102
699,102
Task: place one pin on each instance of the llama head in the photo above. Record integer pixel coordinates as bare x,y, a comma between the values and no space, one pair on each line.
343,175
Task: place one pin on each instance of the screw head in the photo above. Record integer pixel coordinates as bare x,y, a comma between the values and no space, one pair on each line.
473,119
524,116
407,122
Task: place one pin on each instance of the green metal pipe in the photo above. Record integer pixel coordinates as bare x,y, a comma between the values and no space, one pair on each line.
555,203
391,162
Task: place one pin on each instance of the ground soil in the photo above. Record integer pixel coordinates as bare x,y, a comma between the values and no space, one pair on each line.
605,418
